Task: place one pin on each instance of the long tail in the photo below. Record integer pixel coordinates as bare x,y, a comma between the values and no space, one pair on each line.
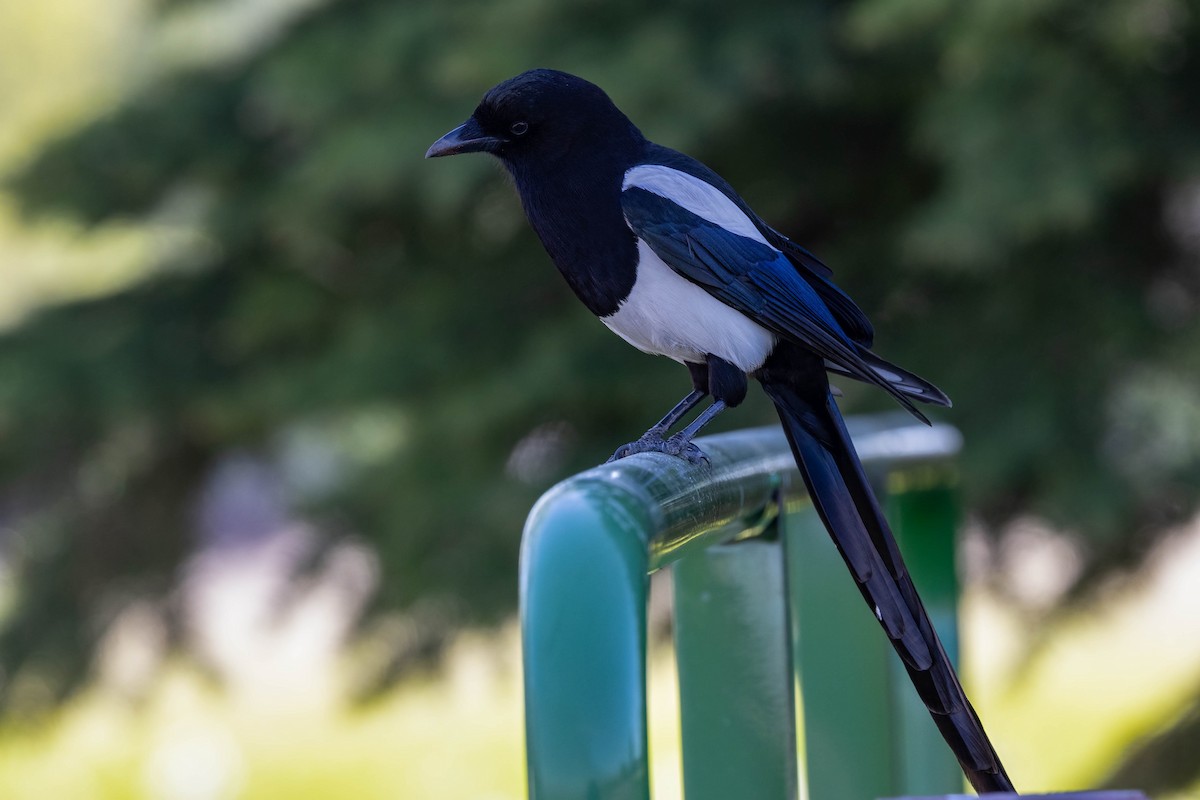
796,382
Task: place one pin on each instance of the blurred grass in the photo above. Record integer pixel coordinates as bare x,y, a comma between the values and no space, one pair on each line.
1109,675
455,735
1106,679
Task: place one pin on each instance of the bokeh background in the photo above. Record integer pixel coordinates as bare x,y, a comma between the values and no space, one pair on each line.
275,393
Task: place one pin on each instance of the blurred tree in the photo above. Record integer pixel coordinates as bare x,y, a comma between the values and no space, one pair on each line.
1010,189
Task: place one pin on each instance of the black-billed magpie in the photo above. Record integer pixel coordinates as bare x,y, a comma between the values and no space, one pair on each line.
668,256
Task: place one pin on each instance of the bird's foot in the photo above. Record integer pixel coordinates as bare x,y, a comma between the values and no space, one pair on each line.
650,442
654,443
681,447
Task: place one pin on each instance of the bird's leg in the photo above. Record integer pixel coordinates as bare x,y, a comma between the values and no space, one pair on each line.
727,384
715,376
681,443
652,440
685,405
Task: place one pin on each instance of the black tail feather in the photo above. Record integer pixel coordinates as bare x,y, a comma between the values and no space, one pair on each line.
900,381
842,496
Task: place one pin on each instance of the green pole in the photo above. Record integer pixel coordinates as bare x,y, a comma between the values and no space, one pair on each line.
735,673
584,644
589,545
922,508
842,669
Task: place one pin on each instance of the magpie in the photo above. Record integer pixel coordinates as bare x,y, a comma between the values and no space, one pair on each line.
671,259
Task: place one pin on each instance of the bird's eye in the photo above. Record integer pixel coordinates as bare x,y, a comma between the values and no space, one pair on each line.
519,128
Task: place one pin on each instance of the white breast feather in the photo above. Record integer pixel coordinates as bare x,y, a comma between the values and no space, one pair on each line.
666,314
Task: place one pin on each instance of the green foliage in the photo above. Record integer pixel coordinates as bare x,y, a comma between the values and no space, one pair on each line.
991,180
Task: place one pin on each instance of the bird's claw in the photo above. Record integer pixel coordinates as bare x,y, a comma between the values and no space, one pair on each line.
651,443
683,448
622,451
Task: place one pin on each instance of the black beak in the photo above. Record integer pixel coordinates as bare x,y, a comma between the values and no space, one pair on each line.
466,138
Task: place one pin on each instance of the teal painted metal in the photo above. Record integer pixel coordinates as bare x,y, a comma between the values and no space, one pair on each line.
588,548
735,672
842,668
922,508
856,696
583,578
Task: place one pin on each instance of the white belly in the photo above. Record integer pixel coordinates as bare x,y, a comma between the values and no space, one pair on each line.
668,315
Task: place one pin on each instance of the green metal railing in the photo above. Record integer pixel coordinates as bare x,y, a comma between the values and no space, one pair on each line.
787,686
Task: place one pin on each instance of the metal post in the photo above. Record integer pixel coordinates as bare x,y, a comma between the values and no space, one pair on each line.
735,673
842,669
922,508
584,642
588,548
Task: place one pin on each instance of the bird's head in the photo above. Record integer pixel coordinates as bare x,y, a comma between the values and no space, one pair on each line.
539,117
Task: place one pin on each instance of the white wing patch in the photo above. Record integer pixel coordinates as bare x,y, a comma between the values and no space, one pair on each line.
668,315
697,196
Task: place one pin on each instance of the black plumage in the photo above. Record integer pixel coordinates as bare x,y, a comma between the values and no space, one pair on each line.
668,255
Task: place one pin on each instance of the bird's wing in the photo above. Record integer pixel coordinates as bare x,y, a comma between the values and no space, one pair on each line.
853,321
848,315
716,251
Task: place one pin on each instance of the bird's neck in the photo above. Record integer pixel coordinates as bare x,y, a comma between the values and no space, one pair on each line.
575,209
